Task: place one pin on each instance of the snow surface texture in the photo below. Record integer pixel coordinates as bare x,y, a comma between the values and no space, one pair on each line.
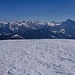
37,57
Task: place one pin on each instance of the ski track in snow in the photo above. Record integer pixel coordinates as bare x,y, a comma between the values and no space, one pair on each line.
37,57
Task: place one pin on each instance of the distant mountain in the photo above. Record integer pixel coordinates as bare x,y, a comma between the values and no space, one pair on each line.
37,30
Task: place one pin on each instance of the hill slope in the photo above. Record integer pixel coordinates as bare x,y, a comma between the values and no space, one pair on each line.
37,57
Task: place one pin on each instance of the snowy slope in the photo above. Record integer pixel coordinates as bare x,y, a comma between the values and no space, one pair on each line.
37,57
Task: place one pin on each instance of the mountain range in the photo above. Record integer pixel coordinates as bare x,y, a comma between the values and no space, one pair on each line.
37,30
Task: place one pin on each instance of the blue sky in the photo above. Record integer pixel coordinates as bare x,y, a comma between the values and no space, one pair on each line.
43,10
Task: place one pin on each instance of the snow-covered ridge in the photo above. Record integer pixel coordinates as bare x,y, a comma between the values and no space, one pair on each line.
54,23
30,24
37,57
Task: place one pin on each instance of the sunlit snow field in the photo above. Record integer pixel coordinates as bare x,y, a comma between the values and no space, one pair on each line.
37,57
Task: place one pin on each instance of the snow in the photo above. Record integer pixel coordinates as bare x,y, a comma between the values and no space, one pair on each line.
3,22
52,24
37,57
62,31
